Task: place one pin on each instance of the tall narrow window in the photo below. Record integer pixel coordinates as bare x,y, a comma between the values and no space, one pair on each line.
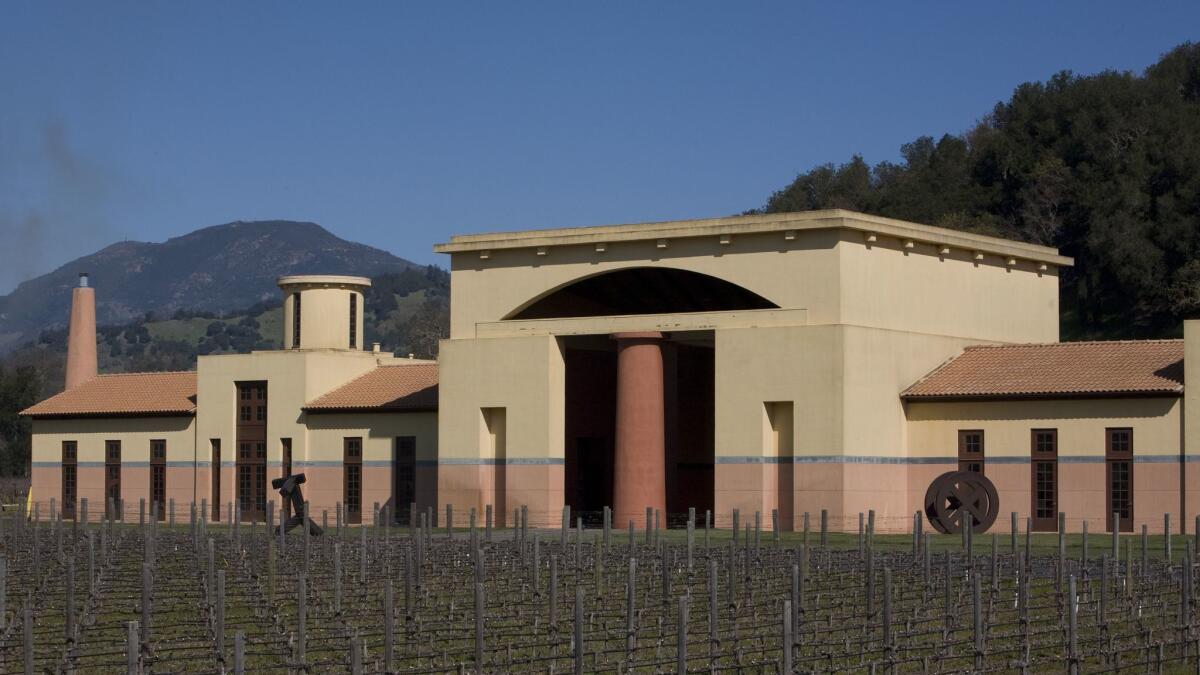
352,479
285,449
70,479
970,450
353,320
1118,464
404,476
295,320
245,476
250,453
158,478
112,479
1043,465
215,444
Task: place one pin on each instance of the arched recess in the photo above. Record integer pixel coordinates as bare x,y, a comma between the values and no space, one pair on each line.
641,290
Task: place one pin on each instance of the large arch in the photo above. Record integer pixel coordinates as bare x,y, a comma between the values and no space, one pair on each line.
641,290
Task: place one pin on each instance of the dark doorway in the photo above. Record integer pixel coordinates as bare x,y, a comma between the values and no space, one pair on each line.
70,462
352,479
115,507
404,478
591,391
591,367
158,478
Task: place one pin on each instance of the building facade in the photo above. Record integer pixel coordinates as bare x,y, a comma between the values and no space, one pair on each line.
780,364
355,421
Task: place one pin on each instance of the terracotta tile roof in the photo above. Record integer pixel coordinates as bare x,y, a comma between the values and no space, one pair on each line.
399,387
123,394
1067,369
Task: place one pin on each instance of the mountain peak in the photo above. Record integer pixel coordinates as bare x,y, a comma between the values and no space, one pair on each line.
217,268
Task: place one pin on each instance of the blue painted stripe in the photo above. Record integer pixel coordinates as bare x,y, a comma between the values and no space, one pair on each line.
1162,459
832,459
751,460
99,465
724,459
491,461
988,459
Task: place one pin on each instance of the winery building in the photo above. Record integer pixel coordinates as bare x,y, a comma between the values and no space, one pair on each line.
787,363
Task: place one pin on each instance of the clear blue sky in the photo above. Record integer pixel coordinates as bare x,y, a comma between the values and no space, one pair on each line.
399,124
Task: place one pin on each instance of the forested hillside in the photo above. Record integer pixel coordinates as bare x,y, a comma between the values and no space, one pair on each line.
1105,167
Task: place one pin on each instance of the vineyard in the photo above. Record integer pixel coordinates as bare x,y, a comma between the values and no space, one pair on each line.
143,594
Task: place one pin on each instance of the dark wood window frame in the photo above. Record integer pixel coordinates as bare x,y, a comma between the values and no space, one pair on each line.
1118,476
158,477
112,479
353,320
971,450
215,445
250,454
1043,479
70,478
295,320
285,469
352,479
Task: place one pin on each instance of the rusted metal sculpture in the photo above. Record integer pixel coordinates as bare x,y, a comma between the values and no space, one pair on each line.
953,495
289,489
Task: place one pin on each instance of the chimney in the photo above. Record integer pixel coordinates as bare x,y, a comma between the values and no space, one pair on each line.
81,334
375,346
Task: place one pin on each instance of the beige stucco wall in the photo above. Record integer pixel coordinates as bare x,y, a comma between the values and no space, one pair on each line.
378,431
1191,416
525,376
884,284
1007,425
293,378
135,434
835,274
844,383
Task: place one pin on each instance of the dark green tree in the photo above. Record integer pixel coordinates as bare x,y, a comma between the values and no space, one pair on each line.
1104,167
20,388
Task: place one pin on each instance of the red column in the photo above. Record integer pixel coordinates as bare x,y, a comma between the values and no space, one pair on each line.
639,464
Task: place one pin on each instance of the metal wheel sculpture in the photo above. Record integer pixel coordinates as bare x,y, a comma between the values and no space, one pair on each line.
952,495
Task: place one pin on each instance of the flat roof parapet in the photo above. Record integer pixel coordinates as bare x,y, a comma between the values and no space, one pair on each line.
722,228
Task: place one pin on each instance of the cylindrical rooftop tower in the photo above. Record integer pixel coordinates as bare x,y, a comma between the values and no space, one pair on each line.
81,334
323,311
